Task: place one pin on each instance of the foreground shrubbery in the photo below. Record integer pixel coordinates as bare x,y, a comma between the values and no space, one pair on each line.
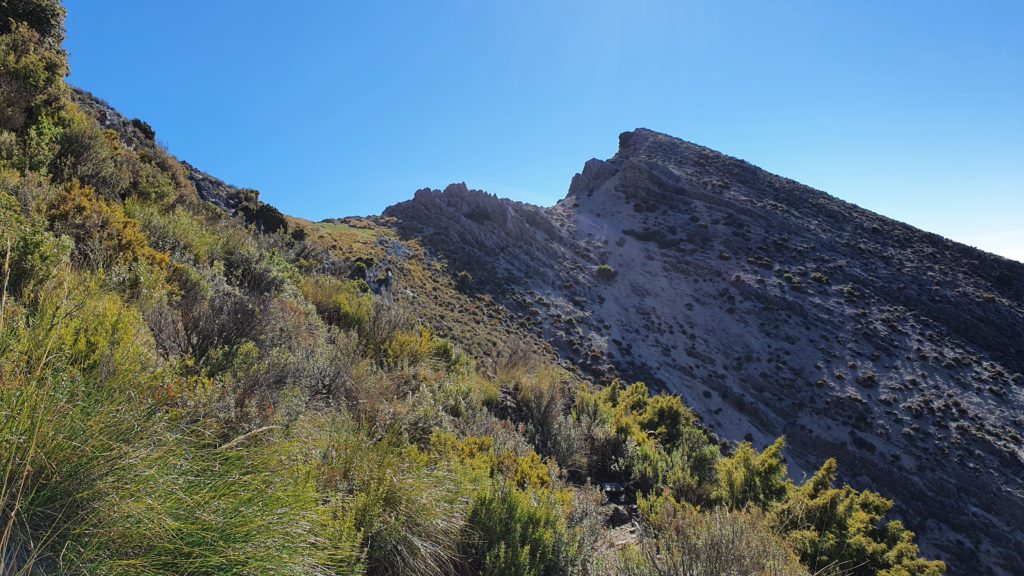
182,394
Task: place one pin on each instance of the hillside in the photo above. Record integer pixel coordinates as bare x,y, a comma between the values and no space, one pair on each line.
194,383
775,309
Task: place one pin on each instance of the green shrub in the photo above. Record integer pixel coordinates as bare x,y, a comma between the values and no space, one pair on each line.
45,17
104,236
509,533
33,69
541,404
841,529
665,418
359,272
651,441
681,540
178,232
32,255
751,478
382,325
92,156
606,273
686,470
605,450
340,303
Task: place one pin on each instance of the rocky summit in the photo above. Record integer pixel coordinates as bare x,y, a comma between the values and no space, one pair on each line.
774,309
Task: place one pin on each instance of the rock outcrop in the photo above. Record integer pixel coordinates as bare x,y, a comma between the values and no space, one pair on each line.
138,135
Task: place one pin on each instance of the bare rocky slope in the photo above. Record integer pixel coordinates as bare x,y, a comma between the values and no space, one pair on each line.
773,308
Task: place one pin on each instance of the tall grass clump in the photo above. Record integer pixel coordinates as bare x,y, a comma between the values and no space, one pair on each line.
67,358
404,505
96,478
186,506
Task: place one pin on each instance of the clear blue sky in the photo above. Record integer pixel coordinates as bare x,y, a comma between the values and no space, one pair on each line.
914,109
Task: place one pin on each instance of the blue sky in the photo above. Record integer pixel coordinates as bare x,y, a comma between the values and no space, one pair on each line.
914,109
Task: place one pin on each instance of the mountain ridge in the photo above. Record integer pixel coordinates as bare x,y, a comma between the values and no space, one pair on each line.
780,299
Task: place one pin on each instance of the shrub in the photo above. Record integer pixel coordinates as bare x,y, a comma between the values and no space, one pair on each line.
686,470
359,272
606,273
382,325
145,129
868,380
665,418
680,540
263,217
509,533
92,156
178,232
32,255
150,182
841,529
33,69
340,303
541,405
651,441
749,477
45,17
104,236
604,450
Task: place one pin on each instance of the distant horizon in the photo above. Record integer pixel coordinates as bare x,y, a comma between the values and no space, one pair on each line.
913,111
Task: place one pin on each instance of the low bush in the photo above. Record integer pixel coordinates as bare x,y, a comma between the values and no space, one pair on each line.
509,533
751,478
841,530
678,539
542,407
340,303
606,272
104,236
185,237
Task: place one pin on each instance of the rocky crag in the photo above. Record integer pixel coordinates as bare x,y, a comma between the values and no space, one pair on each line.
774,309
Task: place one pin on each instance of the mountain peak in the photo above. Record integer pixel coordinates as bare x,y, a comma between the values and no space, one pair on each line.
755,298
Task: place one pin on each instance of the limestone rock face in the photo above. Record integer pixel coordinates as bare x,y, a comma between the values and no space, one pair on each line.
471,226
773,308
